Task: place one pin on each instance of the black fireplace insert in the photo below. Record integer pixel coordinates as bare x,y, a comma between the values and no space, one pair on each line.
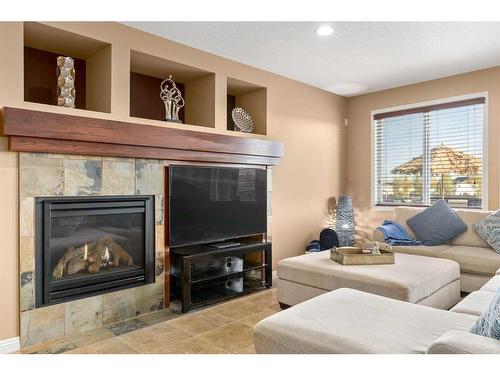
92,245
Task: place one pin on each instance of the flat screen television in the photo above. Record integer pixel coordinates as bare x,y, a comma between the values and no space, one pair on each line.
212,204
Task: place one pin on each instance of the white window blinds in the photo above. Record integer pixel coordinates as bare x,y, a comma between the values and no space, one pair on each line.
429,153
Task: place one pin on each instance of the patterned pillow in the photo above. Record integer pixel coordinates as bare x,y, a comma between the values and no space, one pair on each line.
488,323
489,230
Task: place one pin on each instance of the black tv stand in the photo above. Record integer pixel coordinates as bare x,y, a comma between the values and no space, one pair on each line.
200,274
223,245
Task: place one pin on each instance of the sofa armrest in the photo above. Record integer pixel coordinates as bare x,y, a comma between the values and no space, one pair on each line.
462,342
378,236
498,272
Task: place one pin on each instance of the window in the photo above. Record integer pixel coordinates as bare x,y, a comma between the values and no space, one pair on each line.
428,153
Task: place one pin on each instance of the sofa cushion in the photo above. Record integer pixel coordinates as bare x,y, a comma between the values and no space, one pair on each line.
437,224
402,214
428,251
489,230
492,285
459,342
475,303
470,282
350,321
488,324
411,278
474,260
470,237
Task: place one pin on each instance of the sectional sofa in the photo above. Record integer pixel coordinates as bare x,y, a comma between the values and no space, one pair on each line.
348,321
478,262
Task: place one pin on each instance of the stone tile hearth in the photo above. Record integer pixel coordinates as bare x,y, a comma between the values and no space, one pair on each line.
202,331
83,315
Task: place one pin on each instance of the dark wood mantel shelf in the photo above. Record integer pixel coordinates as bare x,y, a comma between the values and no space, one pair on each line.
36,131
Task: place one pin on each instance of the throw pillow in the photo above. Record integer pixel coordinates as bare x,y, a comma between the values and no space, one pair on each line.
489,230
488,323
436,224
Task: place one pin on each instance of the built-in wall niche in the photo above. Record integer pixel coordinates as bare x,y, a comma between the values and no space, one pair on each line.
252,98
43,44
196,85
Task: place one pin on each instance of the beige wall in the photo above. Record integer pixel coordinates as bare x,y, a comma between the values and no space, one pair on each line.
201,102
313,134
11,76
358,164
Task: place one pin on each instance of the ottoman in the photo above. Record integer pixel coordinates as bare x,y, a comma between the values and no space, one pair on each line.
348,321
433,282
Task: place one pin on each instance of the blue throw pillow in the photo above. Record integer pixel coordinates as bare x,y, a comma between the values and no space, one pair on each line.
488,323
489,230
436,224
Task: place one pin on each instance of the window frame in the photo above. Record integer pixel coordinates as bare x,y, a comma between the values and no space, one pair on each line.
388,207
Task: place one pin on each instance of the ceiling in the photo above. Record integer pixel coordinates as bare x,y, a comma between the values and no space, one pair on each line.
359,57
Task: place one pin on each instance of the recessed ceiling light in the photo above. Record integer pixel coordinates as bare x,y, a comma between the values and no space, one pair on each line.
324,30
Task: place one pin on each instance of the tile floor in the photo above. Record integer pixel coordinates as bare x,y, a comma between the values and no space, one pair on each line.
223,328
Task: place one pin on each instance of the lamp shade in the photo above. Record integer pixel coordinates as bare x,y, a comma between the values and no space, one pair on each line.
345,221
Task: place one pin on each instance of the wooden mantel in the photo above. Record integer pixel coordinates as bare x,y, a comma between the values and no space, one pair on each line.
36,131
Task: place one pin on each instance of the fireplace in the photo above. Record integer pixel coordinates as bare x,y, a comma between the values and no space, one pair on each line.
91,245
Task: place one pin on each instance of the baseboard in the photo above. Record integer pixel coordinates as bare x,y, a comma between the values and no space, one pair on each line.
10,345
275,275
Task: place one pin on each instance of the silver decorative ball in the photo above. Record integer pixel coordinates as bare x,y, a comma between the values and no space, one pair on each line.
242,120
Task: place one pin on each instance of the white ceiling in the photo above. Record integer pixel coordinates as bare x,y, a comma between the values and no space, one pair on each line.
360,57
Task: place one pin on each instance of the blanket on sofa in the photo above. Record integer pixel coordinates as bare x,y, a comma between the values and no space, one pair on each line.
395,234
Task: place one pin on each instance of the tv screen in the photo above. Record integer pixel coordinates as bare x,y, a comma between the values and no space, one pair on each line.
211,204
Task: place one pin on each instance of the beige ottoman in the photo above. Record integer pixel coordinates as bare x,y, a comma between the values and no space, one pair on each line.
422,280
349,321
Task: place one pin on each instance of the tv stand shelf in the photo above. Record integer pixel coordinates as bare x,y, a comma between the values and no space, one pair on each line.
202,275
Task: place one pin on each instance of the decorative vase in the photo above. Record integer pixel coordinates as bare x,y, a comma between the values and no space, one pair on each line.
345,221
66,92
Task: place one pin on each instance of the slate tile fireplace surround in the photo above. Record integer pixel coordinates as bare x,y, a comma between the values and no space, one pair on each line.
92,245
65,184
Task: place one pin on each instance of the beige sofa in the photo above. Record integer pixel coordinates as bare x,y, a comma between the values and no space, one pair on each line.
350,321
478,262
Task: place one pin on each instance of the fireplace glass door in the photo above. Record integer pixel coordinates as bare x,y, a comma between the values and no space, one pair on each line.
88,245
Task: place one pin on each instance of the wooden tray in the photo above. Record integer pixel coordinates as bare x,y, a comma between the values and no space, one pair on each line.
349,256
